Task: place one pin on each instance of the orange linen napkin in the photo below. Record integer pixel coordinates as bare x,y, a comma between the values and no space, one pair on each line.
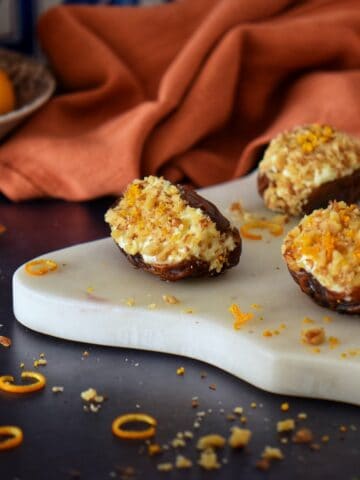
191,90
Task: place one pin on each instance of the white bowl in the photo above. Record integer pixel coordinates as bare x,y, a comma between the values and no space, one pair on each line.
33,84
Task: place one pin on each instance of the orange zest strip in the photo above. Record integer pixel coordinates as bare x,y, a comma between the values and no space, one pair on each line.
2,229
240,318
40,267
118,423
7,385
274,228
15,435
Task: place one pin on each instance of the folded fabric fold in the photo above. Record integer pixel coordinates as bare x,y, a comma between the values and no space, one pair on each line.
191,90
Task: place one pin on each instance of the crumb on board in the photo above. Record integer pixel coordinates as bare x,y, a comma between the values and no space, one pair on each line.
209,460
238,410
213,440
285,425
302,416
57,389
303,435
40,362
313,336
272,453
284,407
239,438
170,299
130,302
165,467
182,462
180,371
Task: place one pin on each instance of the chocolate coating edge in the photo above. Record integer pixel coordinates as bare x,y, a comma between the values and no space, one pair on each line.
324,297
346,188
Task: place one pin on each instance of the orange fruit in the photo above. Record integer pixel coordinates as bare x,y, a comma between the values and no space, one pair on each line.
7,93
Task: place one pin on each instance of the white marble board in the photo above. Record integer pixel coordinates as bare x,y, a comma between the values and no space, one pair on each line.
86,300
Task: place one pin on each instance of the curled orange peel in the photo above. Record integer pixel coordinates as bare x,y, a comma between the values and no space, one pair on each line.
7,385
119,431
273,227
40,267
14,437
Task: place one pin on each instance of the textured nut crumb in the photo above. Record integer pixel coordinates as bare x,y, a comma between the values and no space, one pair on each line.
313,336
285,425
41,362
182,462
180,371
239,437
212,440
57,389
263,464
130,302
272,453
178,443
89,394
302,416
5,341
154,449
165,467
238,410
208,460
303,435
170,299
284,407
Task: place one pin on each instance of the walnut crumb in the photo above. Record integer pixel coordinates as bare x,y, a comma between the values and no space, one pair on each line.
180,371
239,437
263,464
303,435
285,425
302,416
238,410
313,336
154,449
208,460
284,407
272,453
89,394
57,389
165,467
182,462
170,299
212,440
178,443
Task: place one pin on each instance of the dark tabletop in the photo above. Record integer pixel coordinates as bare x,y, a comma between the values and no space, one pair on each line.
63,441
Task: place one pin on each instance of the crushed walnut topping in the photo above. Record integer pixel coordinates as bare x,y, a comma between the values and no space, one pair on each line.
154,221
326,244
298,161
